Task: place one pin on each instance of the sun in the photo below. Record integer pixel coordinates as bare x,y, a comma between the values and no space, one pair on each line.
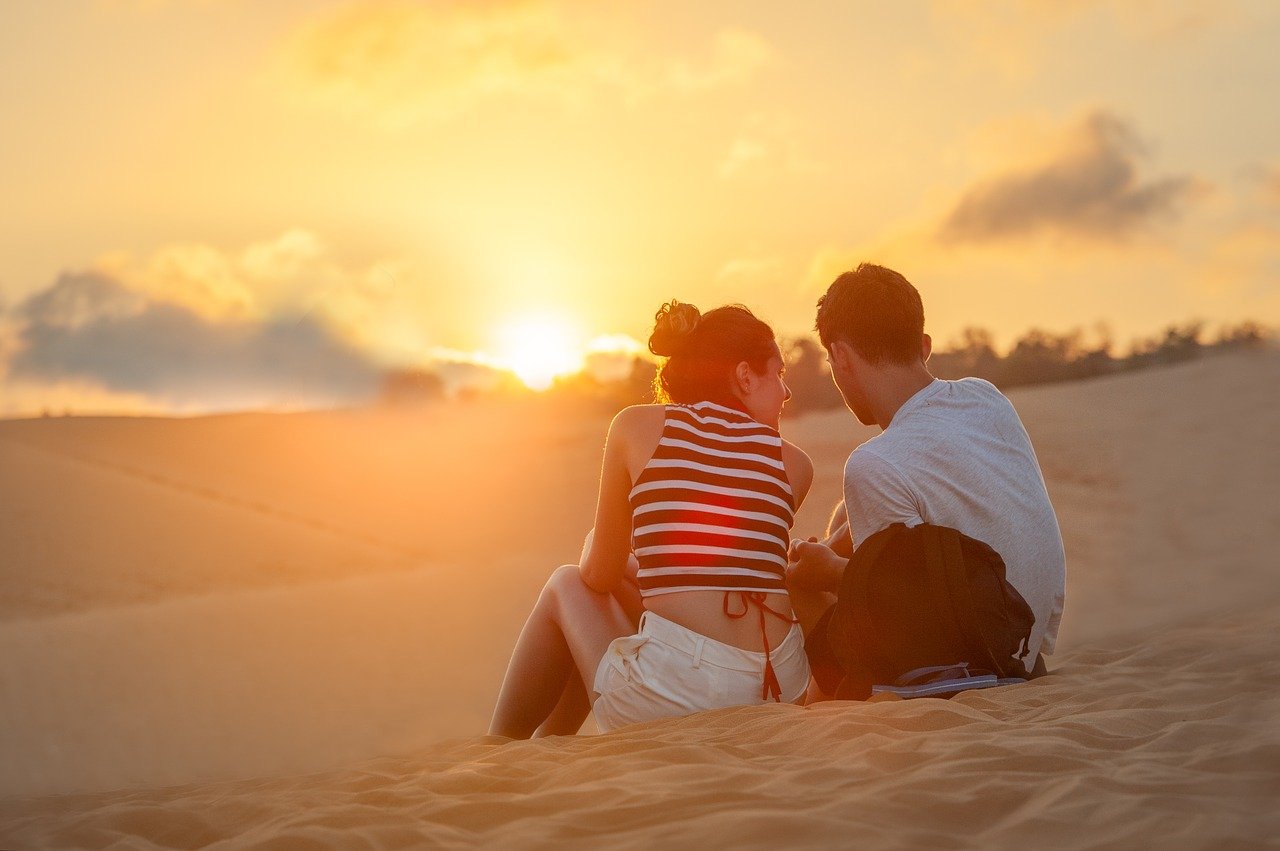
539,348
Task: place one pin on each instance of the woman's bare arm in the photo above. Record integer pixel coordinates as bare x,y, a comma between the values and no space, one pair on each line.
608,547
799,469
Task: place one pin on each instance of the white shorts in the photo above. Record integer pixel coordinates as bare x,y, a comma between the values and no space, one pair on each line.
667,670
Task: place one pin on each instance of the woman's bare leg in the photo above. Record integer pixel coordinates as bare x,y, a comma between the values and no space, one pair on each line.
567,634
575,704
570,713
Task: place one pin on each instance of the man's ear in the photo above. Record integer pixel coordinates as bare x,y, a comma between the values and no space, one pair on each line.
841,355
926,347
744,377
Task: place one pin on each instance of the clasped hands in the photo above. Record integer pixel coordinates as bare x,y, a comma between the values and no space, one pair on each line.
813,565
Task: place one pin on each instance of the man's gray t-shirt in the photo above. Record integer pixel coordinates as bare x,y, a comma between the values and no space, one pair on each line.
956,455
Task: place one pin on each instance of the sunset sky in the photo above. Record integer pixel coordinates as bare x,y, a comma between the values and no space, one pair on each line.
218,204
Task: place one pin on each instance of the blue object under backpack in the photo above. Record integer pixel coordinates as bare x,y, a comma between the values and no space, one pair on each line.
942,681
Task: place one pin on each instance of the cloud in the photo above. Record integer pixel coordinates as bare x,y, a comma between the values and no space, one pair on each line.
1090,188
194,327
767,141
470,371
292,274
736,57
405,62
74,301
265,277
90,328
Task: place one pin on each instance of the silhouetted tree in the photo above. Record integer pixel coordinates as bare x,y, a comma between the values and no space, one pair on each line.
1246,335
1037,357
410,387
635,389
973,355
639,385
809,377
1179,343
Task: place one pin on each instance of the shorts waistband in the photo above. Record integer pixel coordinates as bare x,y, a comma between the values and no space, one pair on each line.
701,647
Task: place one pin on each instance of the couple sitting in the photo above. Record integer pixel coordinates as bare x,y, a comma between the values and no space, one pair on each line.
689,595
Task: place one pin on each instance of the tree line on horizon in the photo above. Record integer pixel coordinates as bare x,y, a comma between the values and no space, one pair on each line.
1037,357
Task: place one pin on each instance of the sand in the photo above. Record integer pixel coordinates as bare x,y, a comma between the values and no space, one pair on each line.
286,631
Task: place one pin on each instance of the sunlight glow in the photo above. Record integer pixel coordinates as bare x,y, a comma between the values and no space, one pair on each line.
540,348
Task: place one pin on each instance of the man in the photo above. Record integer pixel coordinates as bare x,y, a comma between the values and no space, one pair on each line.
951,453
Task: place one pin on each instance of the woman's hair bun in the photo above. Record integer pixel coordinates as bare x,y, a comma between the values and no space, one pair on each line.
673,324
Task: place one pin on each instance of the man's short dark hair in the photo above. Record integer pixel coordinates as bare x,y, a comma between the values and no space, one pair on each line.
876,311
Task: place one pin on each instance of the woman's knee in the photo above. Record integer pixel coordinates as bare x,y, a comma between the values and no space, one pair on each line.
564,581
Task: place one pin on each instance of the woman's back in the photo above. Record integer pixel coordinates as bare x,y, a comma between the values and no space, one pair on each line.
712,507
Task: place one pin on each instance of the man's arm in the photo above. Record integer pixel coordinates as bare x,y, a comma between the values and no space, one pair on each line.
838,537
876,495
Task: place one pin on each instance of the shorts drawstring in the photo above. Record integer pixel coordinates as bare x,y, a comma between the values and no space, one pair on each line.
771,687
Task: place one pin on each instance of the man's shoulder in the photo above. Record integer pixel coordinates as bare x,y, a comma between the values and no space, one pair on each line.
977,383
948,423
872,460
977,388
967,398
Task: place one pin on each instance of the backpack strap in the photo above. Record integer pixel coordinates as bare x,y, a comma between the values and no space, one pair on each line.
957,580
936,568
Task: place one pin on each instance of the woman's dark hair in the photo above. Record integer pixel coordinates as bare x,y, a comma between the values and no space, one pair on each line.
703,350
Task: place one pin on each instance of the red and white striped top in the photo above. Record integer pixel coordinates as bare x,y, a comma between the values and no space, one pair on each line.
713,508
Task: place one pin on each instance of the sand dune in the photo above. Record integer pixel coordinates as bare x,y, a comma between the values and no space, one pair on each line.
79,534
417,484
1153,744
145,642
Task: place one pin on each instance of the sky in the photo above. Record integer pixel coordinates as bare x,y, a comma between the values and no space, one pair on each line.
213,204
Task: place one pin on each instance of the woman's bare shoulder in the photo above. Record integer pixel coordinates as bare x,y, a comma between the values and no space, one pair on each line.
792,453
637,420
634,435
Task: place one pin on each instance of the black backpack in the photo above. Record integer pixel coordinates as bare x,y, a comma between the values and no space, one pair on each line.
915,598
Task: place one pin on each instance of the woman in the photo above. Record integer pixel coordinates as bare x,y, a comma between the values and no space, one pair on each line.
705,491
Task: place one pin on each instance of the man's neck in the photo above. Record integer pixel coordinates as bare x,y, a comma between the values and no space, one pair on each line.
895,386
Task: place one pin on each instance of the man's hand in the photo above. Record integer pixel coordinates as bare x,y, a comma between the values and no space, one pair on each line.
813,566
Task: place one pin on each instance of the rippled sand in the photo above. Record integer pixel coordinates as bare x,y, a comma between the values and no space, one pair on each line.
132,717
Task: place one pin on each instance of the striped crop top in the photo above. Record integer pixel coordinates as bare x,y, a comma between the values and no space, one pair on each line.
713,508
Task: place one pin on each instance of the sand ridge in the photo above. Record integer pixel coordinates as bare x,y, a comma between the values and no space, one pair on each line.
1156,744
